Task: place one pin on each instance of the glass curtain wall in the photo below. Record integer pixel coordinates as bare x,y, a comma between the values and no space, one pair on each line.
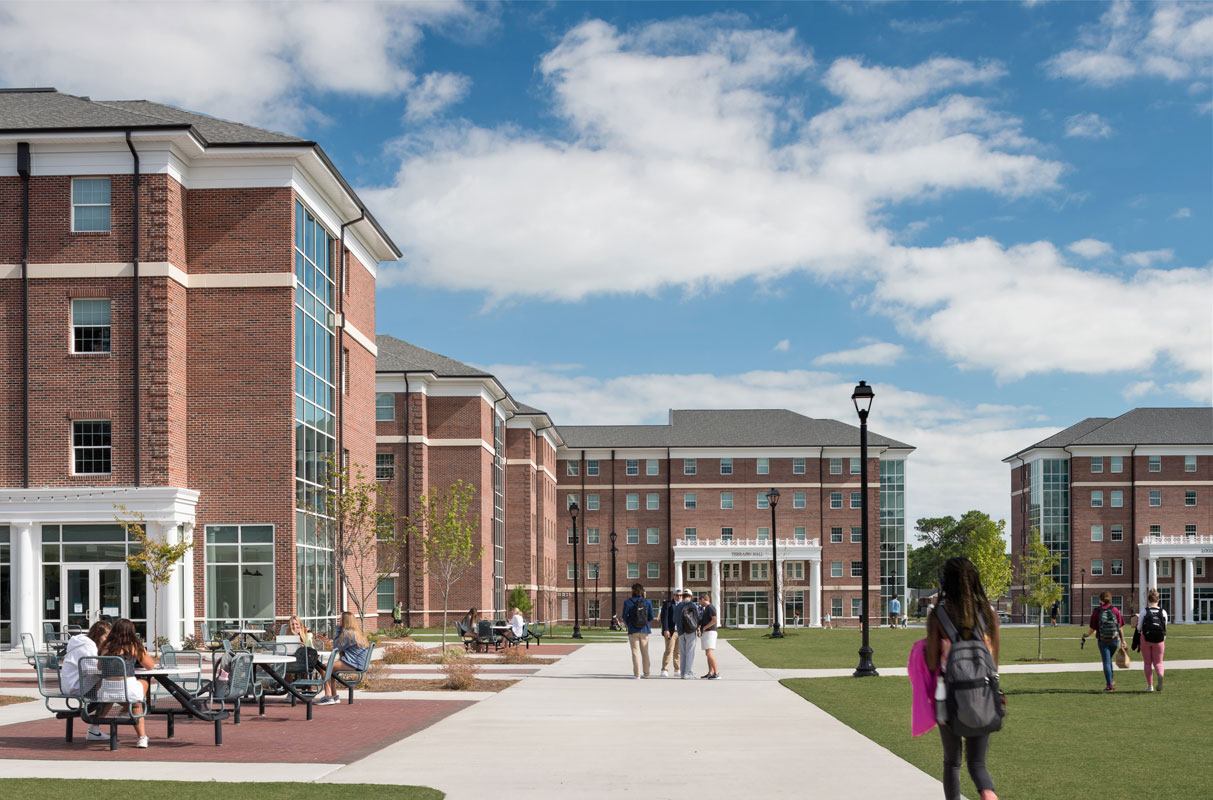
1049,513
892,533
239,575
315,418
499,514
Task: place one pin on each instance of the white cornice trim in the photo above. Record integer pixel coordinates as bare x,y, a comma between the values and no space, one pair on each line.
67,504
359,337
435,442
152,269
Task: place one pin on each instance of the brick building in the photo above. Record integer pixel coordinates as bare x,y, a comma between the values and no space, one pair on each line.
1125,501
191,316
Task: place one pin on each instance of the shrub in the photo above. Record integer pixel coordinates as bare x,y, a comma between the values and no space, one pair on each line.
515,655
452,655
407,653
375,678
193,643
460,674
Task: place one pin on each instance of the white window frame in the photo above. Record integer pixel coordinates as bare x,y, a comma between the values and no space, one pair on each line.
763,502
73,447
591,468
385,466
760,571
1189,530
592,536
690,534
794,570
763,533
856,607
1116,498
1155,498
798,466
569,499
836,535
1189,463
652,535
726,500
1155,530
689,466
726,466
799,499
763,466
855,466
1164,567
1200,567
690,500
389,407
572,468
836,607
1097,533
1117,465
591,570
835,500
1189,494
856,569
110,205
570,568
835,466
799,533
591,502
633,570
652,501
653,571
631,501
856,499
1097,499
856,534
74,325
726,534
652,466
1096,465
1116,533
697,571
1117,566
632,535
1097,566
1154,463
631,466
835,569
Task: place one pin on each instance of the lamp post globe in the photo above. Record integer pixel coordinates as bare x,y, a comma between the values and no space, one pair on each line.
776,633
614,606
573,511
862,398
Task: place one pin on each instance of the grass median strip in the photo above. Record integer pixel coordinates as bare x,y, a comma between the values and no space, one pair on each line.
1064,737
56,788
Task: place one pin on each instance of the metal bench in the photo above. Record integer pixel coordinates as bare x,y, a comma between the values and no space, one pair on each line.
63,705
535,631
313,687
103,686
348,678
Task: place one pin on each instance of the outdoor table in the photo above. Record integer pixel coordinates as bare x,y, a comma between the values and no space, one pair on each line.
193,706
245,633
265,662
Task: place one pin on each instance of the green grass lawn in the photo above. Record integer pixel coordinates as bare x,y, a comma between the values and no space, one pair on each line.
54,789
817,648
1063,737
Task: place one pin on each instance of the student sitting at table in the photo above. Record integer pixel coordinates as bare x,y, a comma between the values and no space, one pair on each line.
307,643
517,627
124,643
83,645
353,652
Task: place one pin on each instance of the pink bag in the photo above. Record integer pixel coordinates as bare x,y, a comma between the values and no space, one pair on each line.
922,684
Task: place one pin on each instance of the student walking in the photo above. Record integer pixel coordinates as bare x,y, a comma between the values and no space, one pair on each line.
1054,613
708,621
1106,623
1153,629
686,615
669,630
963,610
894,612
637,612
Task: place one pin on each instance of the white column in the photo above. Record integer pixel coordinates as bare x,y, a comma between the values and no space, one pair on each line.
1153,572
1142,584
187,612
717,600
779,593
1177,593
815,593
678,581
26,582
168,615
1190,589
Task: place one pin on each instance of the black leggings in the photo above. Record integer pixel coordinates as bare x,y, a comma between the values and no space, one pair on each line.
975,756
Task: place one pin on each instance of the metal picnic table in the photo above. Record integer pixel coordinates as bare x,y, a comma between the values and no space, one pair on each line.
194,706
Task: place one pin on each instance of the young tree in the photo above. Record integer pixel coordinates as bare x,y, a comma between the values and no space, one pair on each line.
365,539
1041,590
155,558
987,549
444,527
519,600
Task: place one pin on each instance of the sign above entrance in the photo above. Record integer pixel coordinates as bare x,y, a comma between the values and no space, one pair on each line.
748,554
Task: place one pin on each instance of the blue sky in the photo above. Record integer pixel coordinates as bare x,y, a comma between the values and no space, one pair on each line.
998,214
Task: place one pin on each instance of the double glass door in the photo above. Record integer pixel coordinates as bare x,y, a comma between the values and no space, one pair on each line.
747,614
94,591
1204,609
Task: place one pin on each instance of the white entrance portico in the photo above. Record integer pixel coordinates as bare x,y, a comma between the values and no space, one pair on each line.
718,552
1184,551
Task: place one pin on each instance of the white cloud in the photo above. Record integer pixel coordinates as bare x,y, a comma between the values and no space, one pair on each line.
1183,213
433,93
1147,258
1174,43
876,354
247,61
1139,389
1088,126
782,346
1089,248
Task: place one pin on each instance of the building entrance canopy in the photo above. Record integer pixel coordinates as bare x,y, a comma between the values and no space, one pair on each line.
717,551
1184,550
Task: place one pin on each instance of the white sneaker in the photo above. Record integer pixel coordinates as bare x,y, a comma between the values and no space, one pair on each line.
635,677
328,701
141,742
665,673
1149,688
95,735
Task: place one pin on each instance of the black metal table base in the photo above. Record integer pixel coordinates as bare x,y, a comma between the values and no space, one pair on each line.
193,706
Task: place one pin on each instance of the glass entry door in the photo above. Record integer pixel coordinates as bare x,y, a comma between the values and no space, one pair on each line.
93,592
747,614
1204,609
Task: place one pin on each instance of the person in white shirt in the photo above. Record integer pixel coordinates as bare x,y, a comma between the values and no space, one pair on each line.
517,624
82,645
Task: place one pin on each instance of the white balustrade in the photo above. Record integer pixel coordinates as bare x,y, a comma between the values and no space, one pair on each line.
718,543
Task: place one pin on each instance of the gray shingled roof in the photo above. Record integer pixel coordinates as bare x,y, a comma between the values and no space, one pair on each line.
761,427
213,129
524,409
397,356
1143,426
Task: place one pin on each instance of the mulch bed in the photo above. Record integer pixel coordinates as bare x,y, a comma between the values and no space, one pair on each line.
439,685
8,700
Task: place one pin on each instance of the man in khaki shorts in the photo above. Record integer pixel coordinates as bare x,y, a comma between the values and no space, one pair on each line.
708,622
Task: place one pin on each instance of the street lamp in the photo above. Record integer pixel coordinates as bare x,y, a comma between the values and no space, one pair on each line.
776,633
573,509
862,398
614,607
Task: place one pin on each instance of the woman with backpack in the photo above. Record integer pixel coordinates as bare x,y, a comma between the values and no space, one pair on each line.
1106,623
962,616
1153,628
637,613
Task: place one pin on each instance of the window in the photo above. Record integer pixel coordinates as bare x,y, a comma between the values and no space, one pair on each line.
654,570
572,468
856,606
1156,497
1156,530
90,204
856,499
1097,566
689,500
1155,463
856,569
633,569
568,535
571,569
855,465
764,534
1189,497
1189,463
835,535
1118,566
569,500
764,466
91,450
797,466
1164,567
1117,463
1096,499
385,466
591,468
1119,602
726,499
632,502
835,607
1097,533
731,570
652,501
726,466
652,535
385,595
345,370
726,534
1117,498
763,502
835,499
836,570
856,534
591,571
688,466
794,570
633,536
690,534
798,533
759,571
592,608
1189,530
591,502
90,326
1200,567
591,536
240,573
631,466
385,406
798,499
1096,464
1094,600
835,466
650,466
697,571
1117,534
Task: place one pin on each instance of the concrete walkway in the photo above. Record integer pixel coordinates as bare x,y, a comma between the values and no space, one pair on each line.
574,729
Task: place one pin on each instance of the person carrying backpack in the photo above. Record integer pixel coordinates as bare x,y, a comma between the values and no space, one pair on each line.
1106,623
962,649
687,619
637,612
1152,626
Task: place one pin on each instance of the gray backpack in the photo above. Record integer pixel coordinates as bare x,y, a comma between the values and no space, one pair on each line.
974,704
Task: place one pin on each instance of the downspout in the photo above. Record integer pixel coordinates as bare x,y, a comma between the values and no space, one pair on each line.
1133,522
23,169
342,374
1070,525
135,259
614,555
580,565
408,540
669,519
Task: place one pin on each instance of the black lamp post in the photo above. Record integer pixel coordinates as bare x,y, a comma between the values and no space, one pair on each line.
573,509
614,607
776,633
862,398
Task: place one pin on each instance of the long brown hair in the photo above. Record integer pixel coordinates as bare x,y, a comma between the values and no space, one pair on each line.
123,641
98,632
960,587
350,629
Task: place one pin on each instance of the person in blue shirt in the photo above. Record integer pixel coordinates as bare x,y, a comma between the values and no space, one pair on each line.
353,654
637,613
894,612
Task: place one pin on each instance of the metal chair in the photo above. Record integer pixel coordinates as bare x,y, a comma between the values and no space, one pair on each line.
350,678
49,634
103,685
63,705
486,636
315,686
240,677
